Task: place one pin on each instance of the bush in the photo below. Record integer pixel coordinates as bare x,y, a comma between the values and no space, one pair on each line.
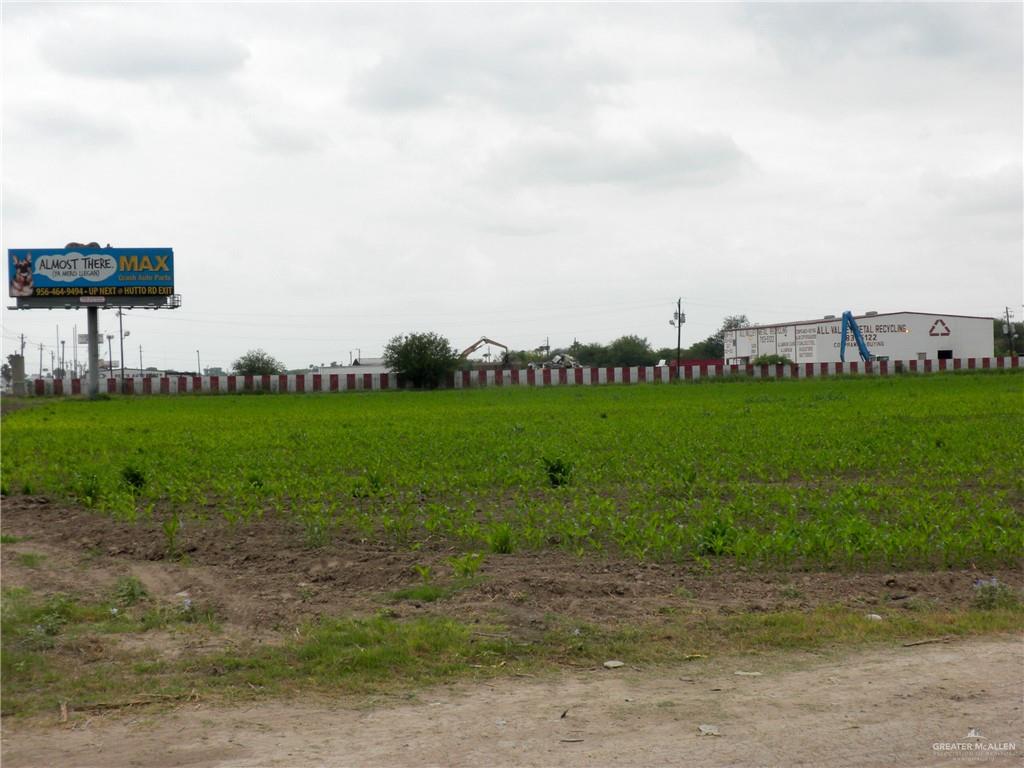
421,359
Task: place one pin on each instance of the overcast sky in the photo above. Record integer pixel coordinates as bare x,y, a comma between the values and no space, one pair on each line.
332,175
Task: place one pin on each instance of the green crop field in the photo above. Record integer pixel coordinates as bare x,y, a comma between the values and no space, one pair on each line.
845,473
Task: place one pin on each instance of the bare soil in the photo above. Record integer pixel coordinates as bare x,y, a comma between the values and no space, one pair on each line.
882,708
261,575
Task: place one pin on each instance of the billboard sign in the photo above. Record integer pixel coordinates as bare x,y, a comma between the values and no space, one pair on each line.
90,275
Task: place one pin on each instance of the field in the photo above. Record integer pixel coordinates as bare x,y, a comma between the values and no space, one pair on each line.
870,474
241,546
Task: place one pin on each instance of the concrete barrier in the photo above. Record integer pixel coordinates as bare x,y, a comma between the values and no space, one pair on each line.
314,382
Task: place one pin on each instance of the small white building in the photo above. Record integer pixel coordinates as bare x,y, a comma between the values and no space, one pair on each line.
359,365
891,335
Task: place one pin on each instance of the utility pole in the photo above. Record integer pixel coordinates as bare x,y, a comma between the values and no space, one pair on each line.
40,360
110,356
1009,332
53,364
678,318
140,359
23,345
199,366
62,360
120,326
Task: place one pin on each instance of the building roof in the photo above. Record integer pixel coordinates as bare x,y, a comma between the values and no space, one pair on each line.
368,361
839,318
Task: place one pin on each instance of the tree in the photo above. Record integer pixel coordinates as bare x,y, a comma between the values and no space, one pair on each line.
256,362
590,354
1002,342
713,347
422,359
631,350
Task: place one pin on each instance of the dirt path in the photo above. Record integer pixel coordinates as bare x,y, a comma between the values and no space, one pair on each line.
876,708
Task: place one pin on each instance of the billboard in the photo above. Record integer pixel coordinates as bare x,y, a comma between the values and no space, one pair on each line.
90,275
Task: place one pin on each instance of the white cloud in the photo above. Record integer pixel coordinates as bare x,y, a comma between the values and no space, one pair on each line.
68,126
529,67
687,160
109,54
998,192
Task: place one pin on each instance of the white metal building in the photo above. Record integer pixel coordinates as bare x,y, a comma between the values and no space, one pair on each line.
892,335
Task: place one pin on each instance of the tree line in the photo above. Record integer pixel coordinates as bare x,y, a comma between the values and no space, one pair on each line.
425,359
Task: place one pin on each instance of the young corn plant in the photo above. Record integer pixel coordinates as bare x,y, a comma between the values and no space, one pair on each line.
466,566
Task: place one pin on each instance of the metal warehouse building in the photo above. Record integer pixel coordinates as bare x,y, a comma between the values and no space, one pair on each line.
890,335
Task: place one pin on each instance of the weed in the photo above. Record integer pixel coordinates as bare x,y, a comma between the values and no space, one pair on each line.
129,591
558,470
134,477
420,593
990,594
791,592
7,538
30,559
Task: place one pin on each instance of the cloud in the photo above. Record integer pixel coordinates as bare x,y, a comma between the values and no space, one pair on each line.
286,139
526,69
694,160
68,126
17,206
128,56
835,31
994,193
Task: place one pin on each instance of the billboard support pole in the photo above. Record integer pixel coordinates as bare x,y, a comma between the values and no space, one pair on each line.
94,351
120,327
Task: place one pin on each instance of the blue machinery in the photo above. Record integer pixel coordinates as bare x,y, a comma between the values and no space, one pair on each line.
849,324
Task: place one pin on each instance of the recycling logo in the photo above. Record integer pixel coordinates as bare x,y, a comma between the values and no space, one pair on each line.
939,328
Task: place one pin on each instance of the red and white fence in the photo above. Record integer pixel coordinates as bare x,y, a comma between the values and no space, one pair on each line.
543,377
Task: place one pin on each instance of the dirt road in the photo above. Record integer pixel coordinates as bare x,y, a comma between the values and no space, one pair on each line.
876,708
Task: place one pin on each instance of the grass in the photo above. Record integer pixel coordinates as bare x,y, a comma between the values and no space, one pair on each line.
43,640
421,593
7,538
30,559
